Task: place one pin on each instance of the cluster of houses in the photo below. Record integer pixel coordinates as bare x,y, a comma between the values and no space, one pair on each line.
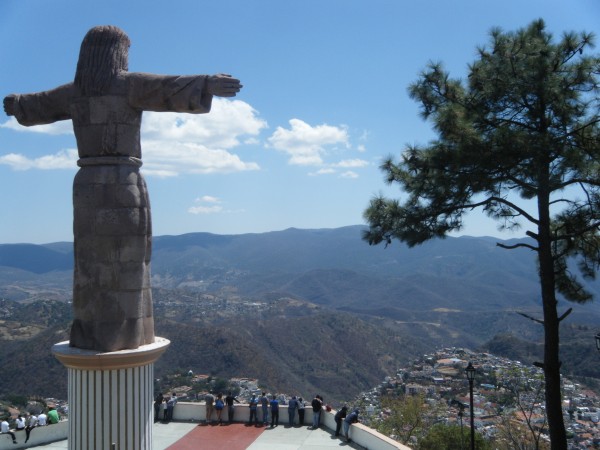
505,393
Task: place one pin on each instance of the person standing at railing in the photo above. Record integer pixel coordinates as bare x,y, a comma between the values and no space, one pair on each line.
219,405
171,406
210,401
349,420
317,406
301,407
292,407
274,412
264,403
229,400
253,404
339,418
157,406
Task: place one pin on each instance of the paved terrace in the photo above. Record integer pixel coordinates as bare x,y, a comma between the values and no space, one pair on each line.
188,431
237,436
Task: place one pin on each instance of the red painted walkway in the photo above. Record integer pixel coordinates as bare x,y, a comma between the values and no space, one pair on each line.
236,436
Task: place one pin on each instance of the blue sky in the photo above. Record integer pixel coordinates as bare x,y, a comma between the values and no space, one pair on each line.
324,101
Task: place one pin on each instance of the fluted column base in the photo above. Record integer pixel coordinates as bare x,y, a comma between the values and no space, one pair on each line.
110,396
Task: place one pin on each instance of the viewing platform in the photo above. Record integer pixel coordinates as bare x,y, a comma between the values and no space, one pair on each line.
188,431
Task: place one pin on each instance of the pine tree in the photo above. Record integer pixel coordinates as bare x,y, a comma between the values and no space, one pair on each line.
524,125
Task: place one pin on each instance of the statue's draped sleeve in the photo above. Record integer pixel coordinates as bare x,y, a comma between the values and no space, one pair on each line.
186,94
44,107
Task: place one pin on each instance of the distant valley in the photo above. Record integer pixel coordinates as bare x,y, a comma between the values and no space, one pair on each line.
305,309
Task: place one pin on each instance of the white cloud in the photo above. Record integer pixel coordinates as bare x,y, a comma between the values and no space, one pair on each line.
186,157
362,138
60,127
64,159
172,143
326,171
212,207
352,163
223,127
306,144
344,164
160,173
205,209
208,199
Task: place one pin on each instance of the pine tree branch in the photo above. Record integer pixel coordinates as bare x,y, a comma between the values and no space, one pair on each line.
531,318
567,312
511,205
532,235
519,245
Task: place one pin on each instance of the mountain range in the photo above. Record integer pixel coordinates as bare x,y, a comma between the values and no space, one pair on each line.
344,311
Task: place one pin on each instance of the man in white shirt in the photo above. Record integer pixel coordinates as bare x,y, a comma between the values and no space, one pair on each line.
170,406
42,419
20,423
5,430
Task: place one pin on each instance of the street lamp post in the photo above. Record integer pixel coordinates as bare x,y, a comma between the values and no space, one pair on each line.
470,370
460,416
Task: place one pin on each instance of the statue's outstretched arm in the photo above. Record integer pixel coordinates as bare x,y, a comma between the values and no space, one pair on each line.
40,108
178,93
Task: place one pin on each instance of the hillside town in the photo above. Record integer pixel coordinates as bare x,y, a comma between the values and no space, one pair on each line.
505,393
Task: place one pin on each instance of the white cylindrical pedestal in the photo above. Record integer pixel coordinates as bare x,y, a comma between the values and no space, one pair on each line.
110,396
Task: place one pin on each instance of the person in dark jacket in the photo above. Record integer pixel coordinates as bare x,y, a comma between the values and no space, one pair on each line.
230,407
339,417
317,406
157,406
292,407
349,420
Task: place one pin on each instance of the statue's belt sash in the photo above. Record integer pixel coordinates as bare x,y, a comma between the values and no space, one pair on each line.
109,161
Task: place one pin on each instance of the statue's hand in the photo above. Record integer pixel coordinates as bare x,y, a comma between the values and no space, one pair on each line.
9,104
223,85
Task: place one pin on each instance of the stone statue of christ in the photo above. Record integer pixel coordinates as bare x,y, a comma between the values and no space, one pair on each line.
112,298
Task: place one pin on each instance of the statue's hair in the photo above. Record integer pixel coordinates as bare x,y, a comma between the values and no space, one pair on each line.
104,53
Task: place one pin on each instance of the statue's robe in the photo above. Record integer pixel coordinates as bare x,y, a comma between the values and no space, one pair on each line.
112,298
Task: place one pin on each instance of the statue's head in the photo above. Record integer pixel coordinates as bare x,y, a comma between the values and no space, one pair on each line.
104,53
